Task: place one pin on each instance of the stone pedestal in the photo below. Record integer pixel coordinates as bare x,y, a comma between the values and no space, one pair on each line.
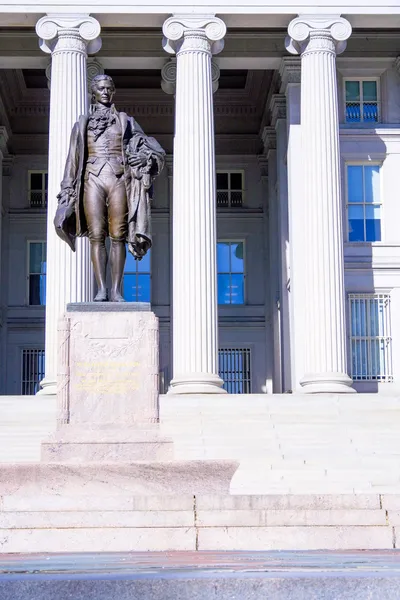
107,386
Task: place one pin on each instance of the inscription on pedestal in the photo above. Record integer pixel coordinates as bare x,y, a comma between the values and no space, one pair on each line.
107,376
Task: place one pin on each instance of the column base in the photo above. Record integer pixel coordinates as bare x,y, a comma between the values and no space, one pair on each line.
197,383
327,383
47,388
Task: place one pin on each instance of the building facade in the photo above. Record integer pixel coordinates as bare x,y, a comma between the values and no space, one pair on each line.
275,263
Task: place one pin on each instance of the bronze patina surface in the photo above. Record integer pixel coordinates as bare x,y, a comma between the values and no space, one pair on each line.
106,188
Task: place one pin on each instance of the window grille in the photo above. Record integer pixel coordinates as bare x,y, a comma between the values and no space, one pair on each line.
361,98
235,369
36,273
32,370
230,189
370,337
230,267
38,184
364,204
137,278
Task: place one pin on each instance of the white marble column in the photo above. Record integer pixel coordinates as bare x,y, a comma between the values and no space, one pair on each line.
194,39
318,39
69,39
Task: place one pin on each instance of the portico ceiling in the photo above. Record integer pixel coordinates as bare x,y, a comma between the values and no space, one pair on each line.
239,106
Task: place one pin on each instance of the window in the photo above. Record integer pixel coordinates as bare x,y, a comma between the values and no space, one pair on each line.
38,183
137,277
370,337
361,97
363,203
230,266
235,370
32,370
37,273
230,190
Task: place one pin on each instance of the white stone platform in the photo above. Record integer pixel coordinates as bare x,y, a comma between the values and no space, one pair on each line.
284,443
319,472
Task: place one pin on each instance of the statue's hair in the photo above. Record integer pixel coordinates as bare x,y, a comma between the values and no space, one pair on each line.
98,78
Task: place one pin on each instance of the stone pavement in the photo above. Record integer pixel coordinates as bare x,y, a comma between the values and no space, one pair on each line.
368,575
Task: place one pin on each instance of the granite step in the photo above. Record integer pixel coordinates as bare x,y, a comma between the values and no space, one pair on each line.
124,523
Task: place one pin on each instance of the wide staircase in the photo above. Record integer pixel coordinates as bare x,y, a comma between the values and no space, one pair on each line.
313,473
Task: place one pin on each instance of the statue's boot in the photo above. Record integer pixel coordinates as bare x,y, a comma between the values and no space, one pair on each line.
98,254
117,261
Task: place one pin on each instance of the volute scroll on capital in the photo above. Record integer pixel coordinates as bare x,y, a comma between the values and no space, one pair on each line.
210,28
87,28
302,29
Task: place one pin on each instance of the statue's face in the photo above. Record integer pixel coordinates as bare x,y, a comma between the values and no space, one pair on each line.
104,92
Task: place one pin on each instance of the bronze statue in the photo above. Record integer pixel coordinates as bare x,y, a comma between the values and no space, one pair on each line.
106,187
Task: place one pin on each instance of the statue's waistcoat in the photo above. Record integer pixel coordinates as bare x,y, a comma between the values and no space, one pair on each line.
105,150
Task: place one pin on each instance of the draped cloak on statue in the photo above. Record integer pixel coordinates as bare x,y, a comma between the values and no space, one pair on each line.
70,221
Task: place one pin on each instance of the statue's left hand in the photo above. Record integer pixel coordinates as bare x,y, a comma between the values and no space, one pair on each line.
138,160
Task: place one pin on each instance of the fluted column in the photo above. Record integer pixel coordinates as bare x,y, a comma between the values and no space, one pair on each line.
318,39
69,39
194,39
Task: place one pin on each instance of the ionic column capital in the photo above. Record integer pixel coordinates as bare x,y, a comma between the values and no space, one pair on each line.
168,77
60,32
183,33
316,33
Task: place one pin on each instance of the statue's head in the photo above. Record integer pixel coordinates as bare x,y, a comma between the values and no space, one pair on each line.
103,90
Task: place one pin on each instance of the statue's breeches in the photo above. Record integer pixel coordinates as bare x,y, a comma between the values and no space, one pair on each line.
105,205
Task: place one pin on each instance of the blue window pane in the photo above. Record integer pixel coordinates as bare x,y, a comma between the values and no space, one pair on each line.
369,91
237,257
224,289
143,293
144,264
355,183
353,113
130,263
36,255
373,223
37,290
374,320
137,288
356,223
223,265
352,91
42,289
358,319
371,183
141,266
237,288
130,288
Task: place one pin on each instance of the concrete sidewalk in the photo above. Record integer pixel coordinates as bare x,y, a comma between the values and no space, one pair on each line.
202,576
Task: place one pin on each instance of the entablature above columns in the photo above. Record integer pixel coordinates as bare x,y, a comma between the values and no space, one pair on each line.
133,48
